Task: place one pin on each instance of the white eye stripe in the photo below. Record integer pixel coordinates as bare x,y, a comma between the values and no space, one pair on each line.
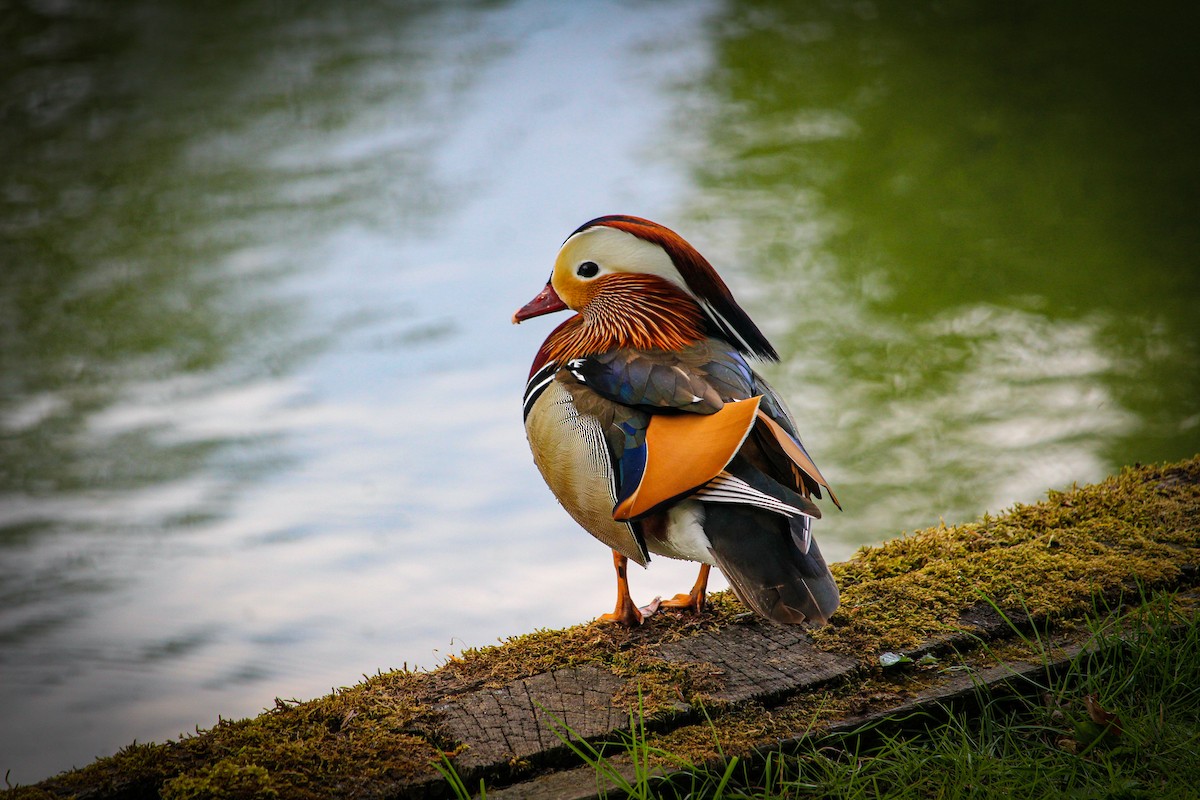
614,250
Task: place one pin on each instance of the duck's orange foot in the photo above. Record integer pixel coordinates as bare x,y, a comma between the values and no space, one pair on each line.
630,615
626,612
693,602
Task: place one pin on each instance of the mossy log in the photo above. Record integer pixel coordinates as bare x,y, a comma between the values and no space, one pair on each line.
967,595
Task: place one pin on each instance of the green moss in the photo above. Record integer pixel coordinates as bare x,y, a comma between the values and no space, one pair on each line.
1050,560
225,779
29,793
356,737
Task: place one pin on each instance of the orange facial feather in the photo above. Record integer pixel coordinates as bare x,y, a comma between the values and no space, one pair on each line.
642,312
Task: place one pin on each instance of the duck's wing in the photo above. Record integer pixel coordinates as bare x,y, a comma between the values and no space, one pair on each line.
780,443
696,380
701,424
690,413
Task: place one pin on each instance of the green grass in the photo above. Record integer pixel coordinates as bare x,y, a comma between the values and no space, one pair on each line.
1036,739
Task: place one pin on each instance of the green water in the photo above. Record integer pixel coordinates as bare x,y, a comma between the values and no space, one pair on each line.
984,220
259,397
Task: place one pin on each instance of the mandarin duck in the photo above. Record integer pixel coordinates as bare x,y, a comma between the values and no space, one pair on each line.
654,433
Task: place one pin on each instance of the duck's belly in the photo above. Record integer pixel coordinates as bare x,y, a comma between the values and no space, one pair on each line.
572,455
683,534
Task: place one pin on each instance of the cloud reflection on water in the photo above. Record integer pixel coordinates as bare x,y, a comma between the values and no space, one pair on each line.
351,207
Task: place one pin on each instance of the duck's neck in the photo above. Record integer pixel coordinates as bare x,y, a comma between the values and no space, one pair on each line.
641,312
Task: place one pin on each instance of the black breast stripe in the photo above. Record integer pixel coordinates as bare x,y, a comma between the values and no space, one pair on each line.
537,384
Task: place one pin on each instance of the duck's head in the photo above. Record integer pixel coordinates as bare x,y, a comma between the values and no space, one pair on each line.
627,275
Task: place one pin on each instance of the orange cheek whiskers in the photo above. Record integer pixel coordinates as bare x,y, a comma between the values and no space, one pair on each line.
642,312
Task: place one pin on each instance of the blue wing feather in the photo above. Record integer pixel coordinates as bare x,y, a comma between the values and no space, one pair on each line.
699,379
631,461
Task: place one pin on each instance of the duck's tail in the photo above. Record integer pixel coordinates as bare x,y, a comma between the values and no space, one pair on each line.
772,562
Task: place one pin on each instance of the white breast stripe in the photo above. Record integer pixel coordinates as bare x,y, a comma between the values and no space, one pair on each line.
727,488
537,384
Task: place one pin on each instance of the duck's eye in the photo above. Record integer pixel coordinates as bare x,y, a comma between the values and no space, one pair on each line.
587,269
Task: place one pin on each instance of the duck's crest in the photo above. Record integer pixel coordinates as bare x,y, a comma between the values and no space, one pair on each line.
725,317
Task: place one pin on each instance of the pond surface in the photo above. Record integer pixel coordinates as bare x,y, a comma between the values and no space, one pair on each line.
259,394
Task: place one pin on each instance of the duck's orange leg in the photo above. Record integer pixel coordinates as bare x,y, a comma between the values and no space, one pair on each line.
626,613
694,600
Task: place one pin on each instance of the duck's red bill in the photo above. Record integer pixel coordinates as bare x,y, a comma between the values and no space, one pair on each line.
547,302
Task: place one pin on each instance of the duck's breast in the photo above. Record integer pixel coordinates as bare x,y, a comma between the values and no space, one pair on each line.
570,450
